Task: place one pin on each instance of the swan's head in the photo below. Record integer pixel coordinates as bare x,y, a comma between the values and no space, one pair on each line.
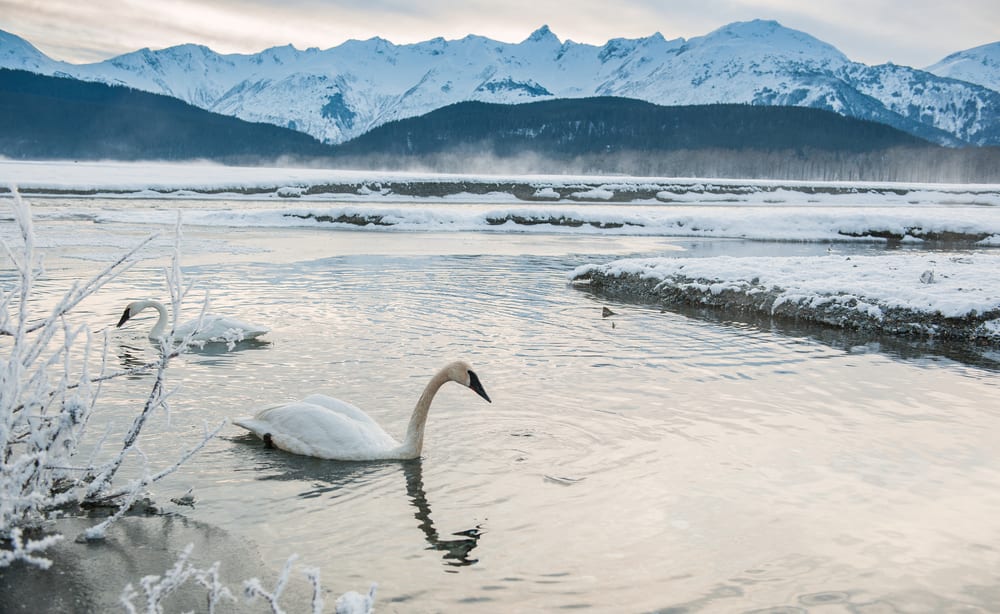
129,312
463,374
135,307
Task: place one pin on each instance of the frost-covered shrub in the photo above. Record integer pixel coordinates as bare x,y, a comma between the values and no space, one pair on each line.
49,389
156,589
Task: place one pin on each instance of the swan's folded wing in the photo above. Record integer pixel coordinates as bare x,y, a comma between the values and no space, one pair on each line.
222,323
313,430
341,407
220,329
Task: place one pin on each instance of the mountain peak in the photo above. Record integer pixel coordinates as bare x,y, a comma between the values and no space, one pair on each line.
188,49
9,38
543,34
763,27
979,65
19,52
758,29
770,37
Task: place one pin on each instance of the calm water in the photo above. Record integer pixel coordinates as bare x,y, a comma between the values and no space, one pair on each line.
678,463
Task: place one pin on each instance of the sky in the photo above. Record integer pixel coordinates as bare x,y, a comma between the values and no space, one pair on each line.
914,33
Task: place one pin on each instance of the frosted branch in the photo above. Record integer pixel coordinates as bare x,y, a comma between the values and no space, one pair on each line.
48,393
252,588
78,292
312,574
131,492
208,436
24,551
353,602
157,588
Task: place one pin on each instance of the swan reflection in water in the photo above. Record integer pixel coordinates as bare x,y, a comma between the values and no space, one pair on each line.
330,478
142,359
456,550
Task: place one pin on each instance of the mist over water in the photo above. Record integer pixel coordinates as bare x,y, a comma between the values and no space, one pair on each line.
645,461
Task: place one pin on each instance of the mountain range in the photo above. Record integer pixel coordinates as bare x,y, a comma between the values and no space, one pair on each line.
340,93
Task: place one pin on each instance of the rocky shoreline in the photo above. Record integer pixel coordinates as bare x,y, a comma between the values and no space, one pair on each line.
755,299
540,189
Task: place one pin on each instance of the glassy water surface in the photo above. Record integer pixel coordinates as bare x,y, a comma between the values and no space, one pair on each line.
644,462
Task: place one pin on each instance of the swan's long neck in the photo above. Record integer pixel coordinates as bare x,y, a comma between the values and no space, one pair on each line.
414,441
161,322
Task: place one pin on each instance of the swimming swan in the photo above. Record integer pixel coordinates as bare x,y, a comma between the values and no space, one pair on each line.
325,427
213,329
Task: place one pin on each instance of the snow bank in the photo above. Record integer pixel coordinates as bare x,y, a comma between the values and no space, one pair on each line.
946,295
282,197
186,180
969,225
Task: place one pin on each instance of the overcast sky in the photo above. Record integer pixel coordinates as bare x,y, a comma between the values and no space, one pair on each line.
910,32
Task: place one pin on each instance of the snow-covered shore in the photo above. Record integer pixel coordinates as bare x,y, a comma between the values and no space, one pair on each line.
206,180
281,197
940,295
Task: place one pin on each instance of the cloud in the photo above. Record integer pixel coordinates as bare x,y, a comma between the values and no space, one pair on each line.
916,33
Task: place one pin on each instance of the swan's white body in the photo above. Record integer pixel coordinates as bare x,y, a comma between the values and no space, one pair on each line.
326,427
211,328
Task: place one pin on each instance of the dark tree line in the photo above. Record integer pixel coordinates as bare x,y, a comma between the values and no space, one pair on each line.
922,165
568,128
615,135
54,118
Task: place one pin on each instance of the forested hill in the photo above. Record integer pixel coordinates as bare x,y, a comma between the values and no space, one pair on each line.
575,127
55,118
60,118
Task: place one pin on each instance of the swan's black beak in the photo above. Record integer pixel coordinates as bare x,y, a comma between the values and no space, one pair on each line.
477,386
125,317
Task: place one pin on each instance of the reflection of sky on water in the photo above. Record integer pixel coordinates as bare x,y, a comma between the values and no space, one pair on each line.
677,458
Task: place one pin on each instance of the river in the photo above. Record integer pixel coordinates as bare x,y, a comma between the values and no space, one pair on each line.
646,461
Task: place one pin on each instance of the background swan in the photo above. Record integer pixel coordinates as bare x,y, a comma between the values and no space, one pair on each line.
326,427
212,328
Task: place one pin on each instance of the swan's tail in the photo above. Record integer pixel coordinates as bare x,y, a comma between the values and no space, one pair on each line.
254,426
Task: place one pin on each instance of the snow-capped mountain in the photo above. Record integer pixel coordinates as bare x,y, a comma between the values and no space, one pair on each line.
342,92
15,52
979,65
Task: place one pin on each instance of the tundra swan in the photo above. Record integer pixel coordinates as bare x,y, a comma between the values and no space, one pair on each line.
211,329
325,427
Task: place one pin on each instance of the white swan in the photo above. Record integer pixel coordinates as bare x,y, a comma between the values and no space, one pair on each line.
325,427
211,329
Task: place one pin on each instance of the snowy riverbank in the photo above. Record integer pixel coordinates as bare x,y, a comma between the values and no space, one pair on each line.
938,295
205,180
215,195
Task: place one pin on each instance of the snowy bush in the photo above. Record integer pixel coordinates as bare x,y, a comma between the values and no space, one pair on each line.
157,588
48,393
